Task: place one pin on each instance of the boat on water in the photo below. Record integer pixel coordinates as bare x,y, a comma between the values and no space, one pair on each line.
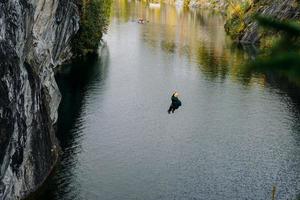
154,5
179,3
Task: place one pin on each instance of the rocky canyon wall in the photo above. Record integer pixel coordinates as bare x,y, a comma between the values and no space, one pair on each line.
34,38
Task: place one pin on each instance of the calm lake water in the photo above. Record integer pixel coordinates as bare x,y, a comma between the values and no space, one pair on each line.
236,136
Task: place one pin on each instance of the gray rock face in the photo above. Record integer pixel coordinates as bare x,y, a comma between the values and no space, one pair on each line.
220,5
34,38
279,9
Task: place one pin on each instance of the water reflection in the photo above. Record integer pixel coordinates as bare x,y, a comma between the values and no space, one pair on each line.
197,35
235,136
168,47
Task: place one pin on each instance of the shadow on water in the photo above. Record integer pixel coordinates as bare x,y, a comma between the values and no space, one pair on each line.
74,81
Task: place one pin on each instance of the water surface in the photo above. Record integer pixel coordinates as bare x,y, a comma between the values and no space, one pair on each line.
235,137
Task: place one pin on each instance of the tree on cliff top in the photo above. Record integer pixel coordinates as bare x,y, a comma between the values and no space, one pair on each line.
93,23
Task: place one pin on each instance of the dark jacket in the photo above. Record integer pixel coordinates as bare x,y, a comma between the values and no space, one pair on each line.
176,103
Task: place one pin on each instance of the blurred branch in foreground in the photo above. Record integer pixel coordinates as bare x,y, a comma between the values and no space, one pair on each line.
284,54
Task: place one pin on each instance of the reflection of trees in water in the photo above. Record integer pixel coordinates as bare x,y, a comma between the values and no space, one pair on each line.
207,18
122,10
182,29
185,51
168,47
238,55
74,81
180,32
228,62
212,65
195,34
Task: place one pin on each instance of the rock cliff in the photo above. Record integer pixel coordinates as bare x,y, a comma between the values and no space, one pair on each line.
211,4
34,38
245,29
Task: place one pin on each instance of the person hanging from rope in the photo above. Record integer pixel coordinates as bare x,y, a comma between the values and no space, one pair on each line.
176,103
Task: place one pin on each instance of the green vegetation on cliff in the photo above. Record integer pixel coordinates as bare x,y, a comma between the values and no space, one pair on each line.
94,18
242,27
237,11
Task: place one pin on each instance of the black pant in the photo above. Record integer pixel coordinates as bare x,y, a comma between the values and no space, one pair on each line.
171,109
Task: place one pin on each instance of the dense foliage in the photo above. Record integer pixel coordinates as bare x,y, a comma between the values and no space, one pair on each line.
93,23
236,11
